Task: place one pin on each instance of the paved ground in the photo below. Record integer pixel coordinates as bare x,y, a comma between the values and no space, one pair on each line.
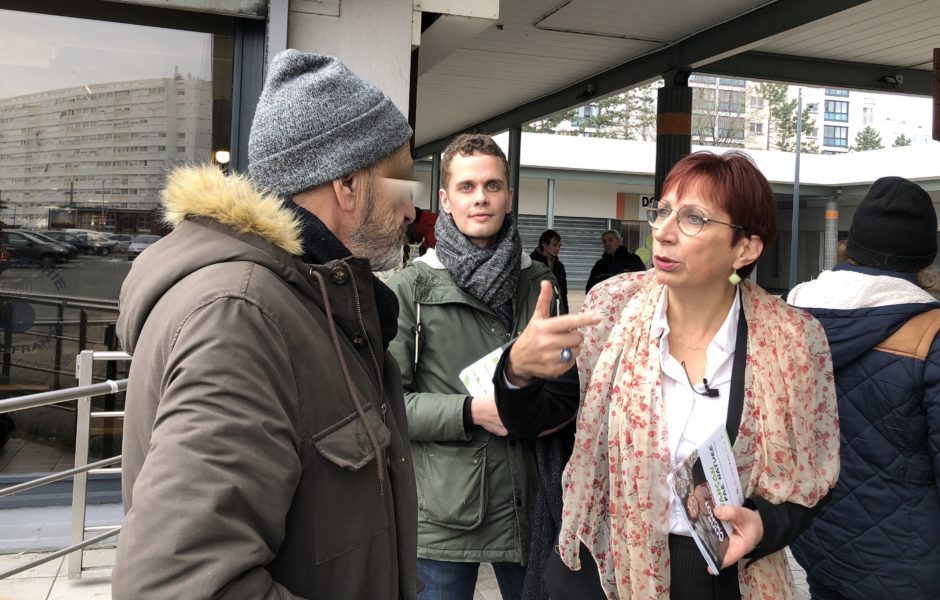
50,582
488,590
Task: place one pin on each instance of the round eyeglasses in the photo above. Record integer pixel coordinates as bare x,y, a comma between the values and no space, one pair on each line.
690,218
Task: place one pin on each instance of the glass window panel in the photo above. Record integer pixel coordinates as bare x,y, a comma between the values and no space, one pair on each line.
836,136
86,111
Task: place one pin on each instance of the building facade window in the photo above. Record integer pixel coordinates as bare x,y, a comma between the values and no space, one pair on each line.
729,128
730,101
837,136
837,110
756,127
731,82
837,92
868,115
589,110
709,79
703,99
585,112
757,102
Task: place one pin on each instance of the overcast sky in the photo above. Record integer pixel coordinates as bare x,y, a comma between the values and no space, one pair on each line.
42,52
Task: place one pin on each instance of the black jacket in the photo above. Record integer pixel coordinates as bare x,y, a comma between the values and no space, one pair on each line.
558,270
623,261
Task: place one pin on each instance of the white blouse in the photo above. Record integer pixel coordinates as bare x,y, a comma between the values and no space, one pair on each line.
692,417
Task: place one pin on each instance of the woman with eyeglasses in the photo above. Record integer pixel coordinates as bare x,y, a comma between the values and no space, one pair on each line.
682,350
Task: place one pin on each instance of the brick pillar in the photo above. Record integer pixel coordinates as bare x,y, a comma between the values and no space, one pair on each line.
673,124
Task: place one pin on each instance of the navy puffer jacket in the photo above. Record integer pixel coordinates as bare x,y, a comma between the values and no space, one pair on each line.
878,536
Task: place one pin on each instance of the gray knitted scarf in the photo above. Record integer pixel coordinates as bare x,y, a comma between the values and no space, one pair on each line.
488,274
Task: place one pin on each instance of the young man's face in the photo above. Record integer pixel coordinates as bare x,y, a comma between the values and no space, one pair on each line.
386,211
477,196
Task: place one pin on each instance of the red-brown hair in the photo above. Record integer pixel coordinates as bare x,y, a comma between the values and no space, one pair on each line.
734,184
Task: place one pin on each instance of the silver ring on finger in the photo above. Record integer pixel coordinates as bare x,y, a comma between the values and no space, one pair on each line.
565,355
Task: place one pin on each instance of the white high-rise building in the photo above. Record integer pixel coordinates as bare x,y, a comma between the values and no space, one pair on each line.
104,145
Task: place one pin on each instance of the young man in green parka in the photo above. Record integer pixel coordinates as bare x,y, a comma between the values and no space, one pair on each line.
469,295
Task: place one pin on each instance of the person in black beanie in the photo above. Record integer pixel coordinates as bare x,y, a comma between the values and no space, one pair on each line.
878,536
266,450
894,228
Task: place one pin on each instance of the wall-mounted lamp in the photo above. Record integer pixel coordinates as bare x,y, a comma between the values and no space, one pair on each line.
222,157
894,80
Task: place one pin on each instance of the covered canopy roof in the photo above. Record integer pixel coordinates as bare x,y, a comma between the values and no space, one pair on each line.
542,56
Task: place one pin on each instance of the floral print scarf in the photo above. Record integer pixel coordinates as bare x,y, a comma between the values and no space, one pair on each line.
616,496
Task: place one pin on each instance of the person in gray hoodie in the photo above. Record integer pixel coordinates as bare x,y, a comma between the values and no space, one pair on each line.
266,452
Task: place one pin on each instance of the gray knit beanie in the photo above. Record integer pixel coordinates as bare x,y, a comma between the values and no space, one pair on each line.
316,120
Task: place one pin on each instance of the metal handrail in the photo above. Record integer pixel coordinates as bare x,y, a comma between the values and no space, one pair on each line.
79,474
56,328
35,483
60,553
63,395
71,301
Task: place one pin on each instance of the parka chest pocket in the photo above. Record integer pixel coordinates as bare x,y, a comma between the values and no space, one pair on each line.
346,444
347,484
452,484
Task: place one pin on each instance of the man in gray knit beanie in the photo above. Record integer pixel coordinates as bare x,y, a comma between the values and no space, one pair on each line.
317,121
266,450
317,125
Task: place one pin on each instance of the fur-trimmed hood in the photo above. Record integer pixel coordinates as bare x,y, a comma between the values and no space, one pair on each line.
859,307
230,200
216,219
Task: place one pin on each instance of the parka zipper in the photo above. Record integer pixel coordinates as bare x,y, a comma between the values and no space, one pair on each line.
375,361
350,384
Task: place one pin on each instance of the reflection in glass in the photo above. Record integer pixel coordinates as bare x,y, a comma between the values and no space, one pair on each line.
92,116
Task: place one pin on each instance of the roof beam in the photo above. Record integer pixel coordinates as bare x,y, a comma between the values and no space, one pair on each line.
821,72
716,43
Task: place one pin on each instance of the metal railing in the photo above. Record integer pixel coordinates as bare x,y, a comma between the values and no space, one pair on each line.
52,328
84,370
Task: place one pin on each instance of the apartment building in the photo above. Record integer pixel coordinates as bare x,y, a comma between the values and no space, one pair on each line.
99,149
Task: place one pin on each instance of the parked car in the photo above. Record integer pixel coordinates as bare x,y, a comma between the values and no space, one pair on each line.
123,240
69,238
102,246
23,249
71,250
139,244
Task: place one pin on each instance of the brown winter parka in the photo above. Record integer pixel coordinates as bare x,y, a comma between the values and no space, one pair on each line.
266,452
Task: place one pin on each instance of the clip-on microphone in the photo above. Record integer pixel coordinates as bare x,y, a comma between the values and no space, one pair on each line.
709,392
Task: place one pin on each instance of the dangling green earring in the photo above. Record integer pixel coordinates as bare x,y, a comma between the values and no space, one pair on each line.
734,278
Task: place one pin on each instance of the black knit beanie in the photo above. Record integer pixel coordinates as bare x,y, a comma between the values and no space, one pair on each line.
894,227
